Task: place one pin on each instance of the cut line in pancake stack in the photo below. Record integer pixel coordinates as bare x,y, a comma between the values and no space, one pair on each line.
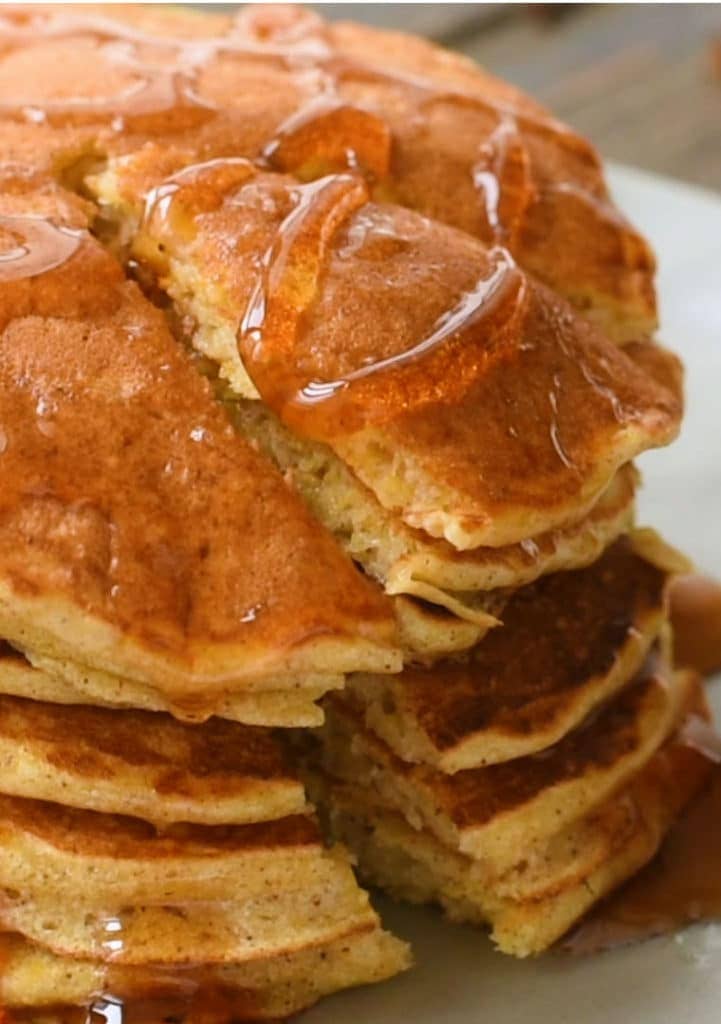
278,297
519,787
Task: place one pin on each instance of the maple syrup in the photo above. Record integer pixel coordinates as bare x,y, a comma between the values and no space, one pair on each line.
40,246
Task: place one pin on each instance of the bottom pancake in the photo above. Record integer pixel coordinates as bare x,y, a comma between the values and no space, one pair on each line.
31,977
535,903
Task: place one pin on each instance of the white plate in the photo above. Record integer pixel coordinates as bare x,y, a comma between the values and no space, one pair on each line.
459,979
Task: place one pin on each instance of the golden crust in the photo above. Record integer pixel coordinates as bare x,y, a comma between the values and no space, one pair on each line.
567,643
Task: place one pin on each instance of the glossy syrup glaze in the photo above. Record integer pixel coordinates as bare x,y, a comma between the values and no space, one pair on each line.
680,886
38,245
276,333
338,107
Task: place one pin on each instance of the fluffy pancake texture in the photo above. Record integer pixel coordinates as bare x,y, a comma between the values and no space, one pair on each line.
146,765
487,811
427,342
533,882
278,297
236,877
568,642
126,495
469,398
256,990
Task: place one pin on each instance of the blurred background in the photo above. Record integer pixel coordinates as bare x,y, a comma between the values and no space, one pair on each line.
643,81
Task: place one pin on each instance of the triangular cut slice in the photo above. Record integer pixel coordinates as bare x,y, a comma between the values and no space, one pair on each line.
551,881
491,813
139,535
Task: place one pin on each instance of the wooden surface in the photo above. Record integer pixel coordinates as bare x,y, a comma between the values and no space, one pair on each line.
639,80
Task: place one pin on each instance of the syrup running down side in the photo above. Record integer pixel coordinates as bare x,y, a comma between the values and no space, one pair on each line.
680,886
39,246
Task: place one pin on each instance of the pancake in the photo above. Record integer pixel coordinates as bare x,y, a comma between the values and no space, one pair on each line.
568,642
105,887
553,882
408,561
78,685
309,98
177,605
256,990
146,765
425,359
57,855
490,813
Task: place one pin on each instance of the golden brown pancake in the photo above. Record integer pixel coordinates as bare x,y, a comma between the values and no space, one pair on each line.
138,533
552,884
457,337
432,339
409,561
255,990
69,683
146,765
567,643
468,397
281,86
110,888
56,854
491,812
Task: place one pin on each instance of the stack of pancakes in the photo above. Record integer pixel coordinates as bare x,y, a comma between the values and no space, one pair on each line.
277,298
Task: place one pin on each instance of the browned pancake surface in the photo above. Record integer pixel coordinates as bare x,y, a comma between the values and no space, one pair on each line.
127,492
429,129
560,637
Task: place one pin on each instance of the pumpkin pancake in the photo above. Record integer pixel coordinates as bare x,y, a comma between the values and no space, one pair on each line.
270,989
469,398
568,642
79,685
553,882
134,524
280,86
146,765
491,812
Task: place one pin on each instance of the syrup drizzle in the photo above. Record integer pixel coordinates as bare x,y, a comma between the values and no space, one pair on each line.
287,288
41,246
471,308
325,127
681,885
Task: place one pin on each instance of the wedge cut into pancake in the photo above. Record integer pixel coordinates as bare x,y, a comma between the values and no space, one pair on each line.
549,879
271,989
567,643
145,765
471,400
139,535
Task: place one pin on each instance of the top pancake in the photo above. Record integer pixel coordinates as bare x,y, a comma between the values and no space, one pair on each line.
138,533
560,409
468,397
429,129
